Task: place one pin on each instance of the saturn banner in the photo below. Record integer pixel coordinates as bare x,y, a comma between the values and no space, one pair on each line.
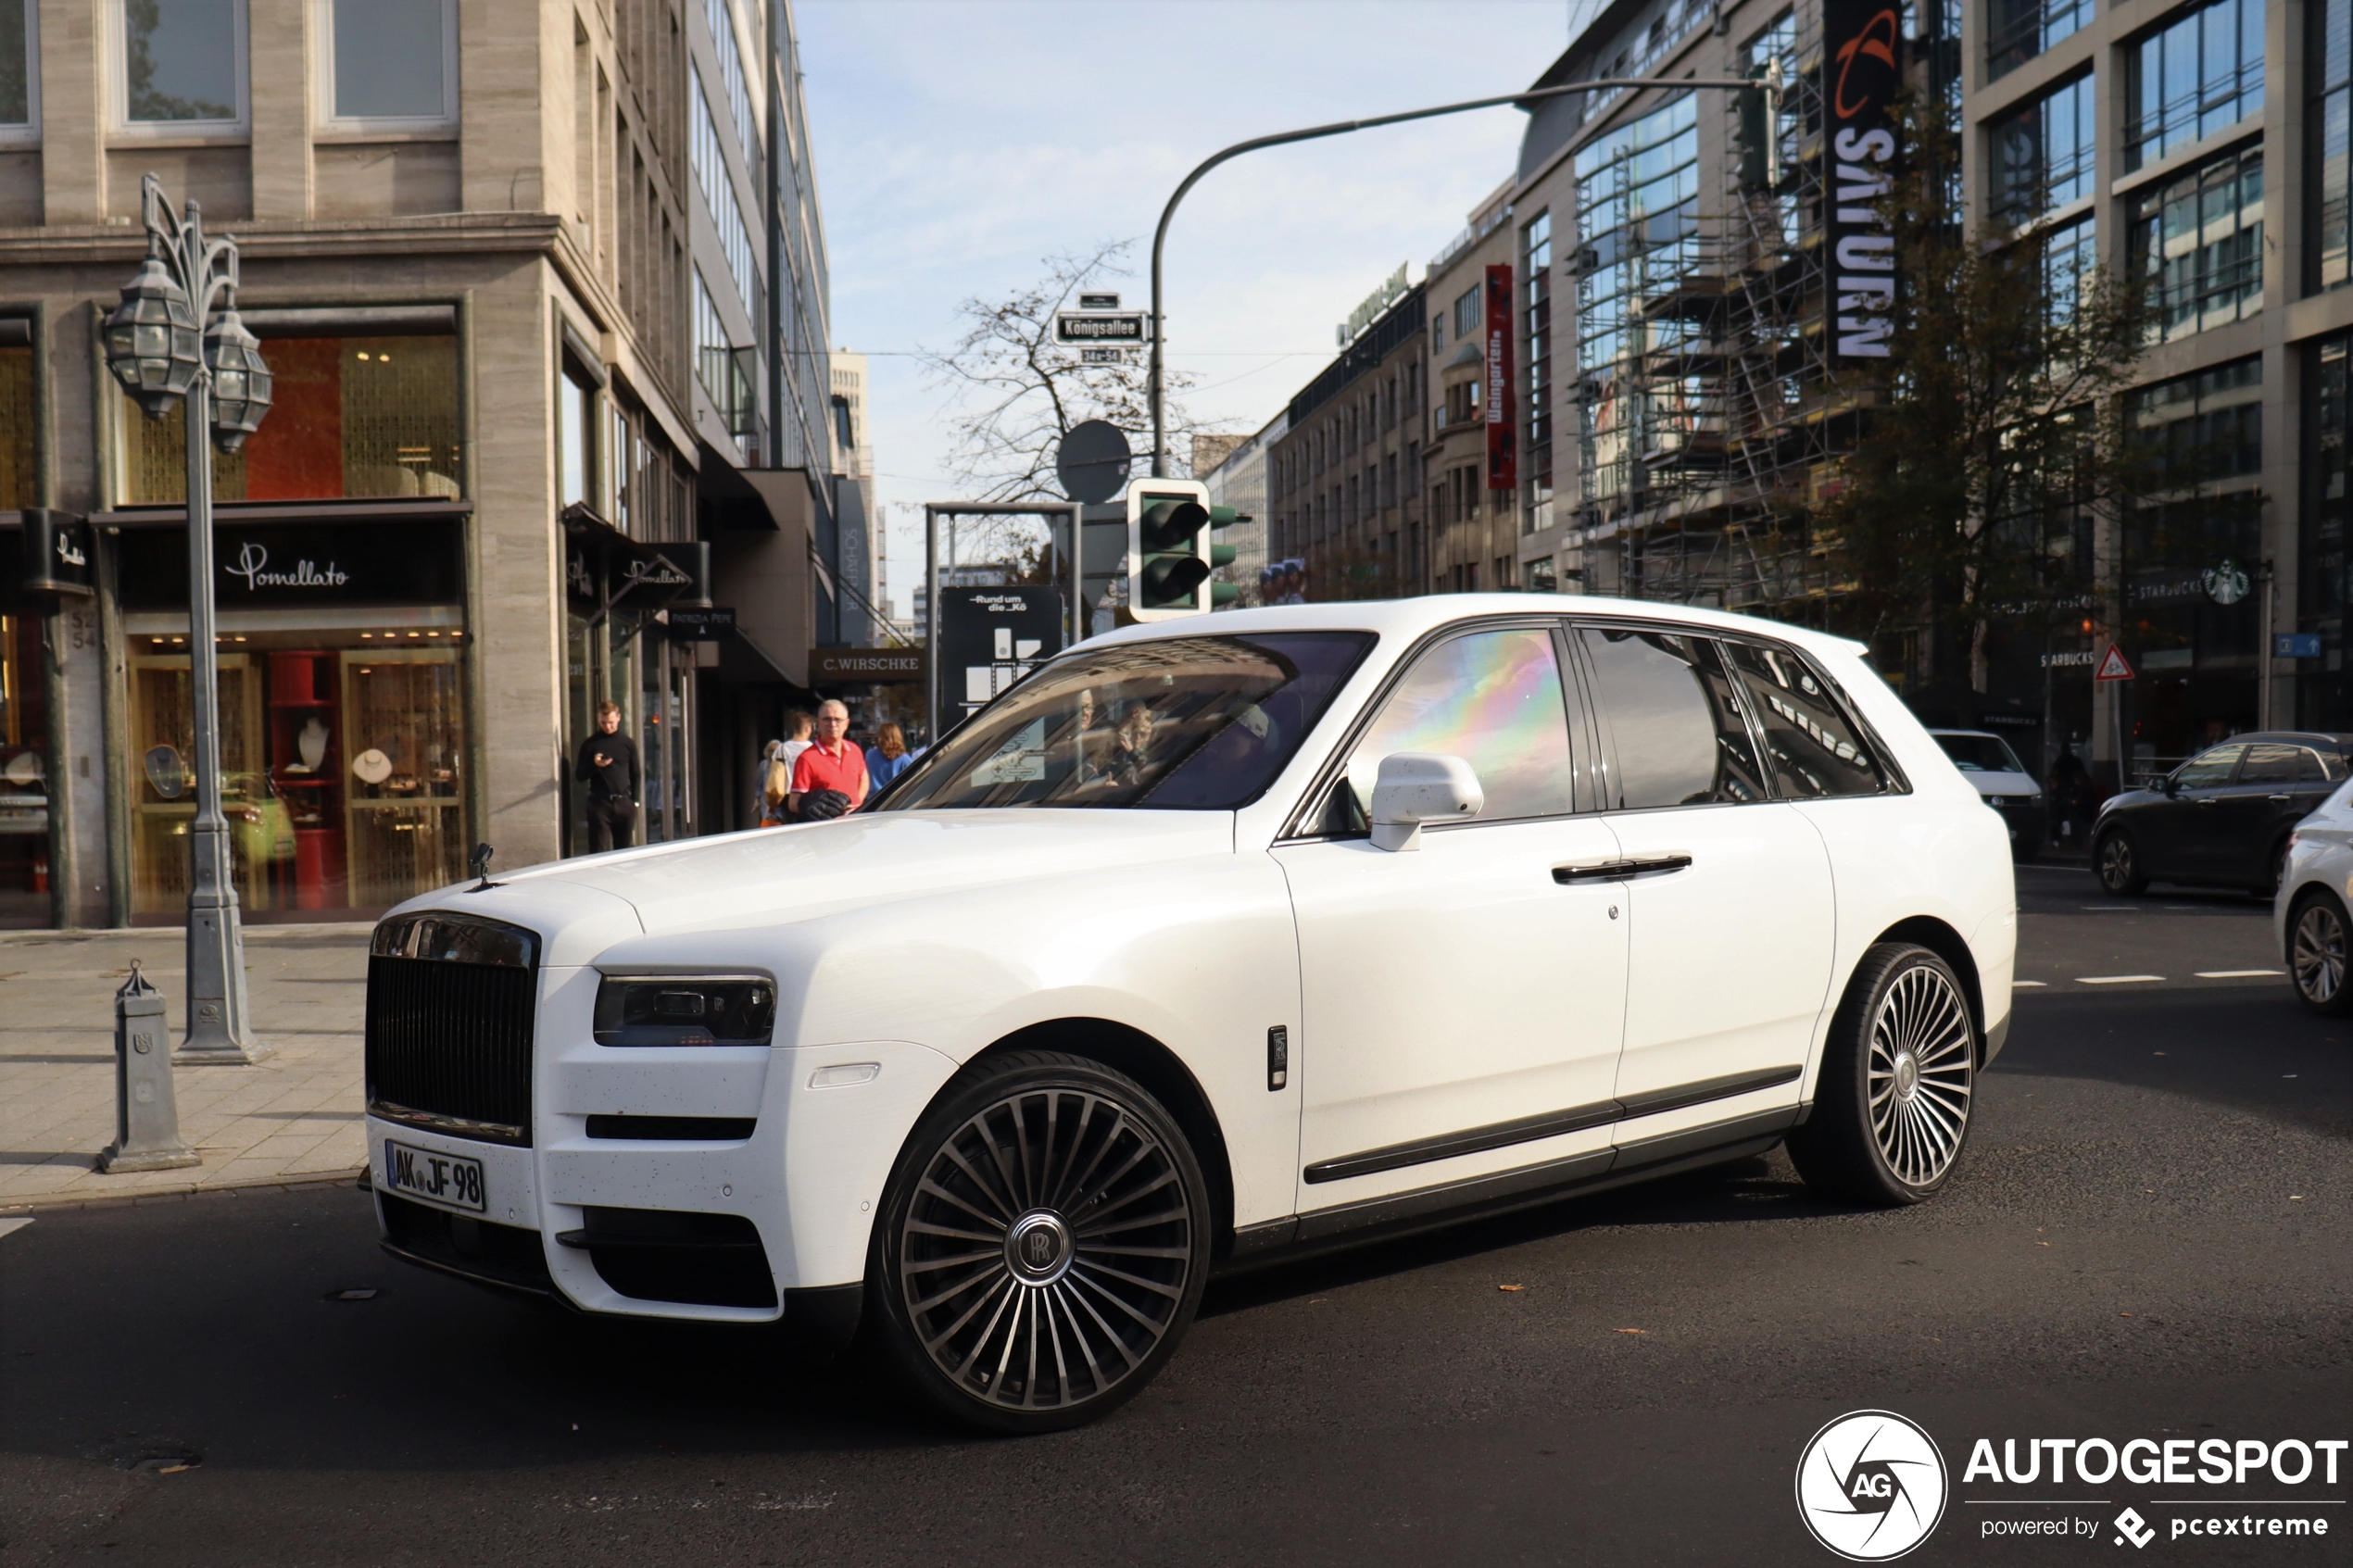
1862,50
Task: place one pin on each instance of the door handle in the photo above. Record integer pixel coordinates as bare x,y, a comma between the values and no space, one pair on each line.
1622,870
2279,798
2209,800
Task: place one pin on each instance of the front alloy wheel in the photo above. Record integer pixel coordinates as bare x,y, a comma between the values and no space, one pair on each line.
1899,1069
2316,955
1044,1245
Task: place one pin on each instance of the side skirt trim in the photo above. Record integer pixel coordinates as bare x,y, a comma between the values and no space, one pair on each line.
1552,1124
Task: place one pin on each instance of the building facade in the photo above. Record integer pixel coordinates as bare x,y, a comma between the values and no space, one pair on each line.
1237,477
542,286
1344,476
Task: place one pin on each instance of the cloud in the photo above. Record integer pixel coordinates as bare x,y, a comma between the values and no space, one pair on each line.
958,140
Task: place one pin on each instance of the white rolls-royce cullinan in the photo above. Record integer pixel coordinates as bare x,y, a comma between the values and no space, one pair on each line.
1208,945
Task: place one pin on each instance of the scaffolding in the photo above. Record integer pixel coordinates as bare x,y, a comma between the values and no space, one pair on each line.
1717,430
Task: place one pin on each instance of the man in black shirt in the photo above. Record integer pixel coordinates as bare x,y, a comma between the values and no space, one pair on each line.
609,767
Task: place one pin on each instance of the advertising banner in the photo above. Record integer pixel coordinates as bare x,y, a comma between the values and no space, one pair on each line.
1862,49
1503,450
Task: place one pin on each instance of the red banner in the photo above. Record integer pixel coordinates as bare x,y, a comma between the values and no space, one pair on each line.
1503,417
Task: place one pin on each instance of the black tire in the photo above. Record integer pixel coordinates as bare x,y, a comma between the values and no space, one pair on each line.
2116,861
2317,936
1043,1244
1892,1107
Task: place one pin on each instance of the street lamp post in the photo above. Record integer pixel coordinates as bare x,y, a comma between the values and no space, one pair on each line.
1770,83
165,343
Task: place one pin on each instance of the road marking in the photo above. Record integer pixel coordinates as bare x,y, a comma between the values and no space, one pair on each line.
2237,973
2113,979
8,1225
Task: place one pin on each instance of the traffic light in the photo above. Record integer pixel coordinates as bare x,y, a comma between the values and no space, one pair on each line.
1758,134
1169,555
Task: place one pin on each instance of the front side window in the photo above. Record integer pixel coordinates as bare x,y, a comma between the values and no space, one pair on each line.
2200,75
182,61
1493,699
1681,739
394,59
1812,748
1179,724
2199,238
2210,769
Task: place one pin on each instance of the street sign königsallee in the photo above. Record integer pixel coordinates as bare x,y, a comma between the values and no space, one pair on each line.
1075,326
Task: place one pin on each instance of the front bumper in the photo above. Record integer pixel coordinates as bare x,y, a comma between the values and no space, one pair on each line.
714,1229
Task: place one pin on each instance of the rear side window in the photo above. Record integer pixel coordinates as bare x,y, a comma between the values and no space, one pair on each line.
1681,739
1493,699
1812,749
2274,764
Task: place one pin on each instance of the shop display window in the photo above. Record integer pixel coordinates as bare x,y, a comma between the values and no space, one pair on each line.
353,418
24,794
342,769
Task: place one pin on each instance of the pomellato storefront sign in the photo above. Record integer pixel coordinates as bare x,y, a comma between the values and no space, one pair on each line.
277,566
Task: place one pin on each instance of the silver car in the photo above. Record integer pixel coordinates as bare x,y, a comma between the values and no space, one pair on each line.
2309,912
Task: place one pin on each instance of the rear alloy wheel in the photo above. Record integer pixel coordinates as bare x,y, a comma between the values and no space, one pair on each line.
2316,955
1892,1107
1044,1245
2119,864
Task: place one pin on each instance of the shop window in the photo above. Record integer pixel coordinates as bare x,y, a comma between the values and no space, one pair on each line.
353,418
2202,74
2324,571
24,796
17,427
19,70
394,62
181,64
343,711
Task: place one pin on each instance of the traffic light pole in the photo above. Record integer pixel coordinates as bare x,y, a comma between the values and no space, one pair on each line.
1771,84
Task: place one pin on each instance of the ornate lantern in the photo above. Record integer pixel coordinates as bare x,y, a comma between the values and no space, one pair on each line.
152,339
239,380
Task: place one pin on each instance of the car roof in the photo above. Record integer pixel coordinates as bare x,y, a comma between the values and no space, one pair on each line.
1409,618
2292,737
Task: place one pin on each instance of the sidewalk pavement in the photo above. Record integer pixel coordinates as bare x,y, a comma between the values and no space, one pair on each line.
297,1116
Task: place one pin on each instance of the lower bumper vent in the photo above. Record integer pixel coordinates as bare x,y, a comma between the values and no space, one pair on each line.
506,1256
670,1255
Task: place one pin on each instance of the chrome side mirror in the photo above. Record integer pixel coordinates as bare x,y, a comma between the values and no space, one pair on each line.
1415,787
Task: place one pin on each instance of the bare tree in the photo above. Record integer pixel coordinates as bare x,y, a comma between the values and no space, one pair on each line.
1018,391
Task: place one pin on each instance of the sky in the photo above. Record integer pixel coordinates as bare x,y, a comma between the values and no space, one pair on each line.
959,142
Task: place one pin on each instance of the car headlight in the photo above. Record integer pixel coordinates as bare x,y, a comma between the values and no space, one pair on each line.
686,1009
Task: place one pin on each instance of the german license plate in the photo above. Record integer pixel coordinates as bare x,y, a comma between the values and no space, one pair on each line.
451,1180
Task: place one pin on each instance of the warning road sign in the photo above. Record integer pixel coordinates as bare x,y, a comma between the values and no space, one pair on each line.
2113,666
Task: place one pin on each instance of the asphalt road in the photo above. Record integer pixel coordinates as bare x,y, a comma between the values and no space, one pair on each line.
2149,1237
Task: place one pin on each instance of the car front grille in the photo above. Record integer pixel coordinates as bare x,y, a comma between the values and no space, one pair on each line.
450,1009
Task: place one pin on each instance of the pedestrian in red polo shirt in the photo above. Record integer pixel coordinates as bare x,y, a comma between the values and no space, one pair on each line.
829,779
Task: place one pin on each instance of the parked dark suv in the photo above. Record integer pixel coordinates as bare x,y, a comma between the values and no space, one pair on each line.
2220,819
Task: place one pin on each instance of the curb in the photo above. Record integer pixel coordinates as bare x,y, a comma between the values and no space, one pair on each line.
181,1192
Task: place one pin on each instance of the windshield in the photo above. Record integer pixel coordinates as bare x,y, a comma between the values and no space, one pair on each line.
1981,754
1179,724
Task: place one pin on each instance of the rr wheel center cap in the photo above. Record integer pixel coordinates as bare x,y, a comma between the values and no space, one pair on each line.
1907,1074
1037,1247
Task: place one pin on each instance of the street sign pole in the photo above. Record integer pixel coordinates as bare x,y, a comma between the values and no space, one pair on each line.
2113,671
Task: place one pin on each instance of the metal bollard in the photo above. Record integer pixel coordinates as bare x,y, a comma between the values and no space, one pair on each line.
146,1118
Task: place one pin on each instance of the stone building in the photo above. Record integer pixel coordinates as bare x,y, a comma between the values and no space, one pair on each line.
544,289
1344,477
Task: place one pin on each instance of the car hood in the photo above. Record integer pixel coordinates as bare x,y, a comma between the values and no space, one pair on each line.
2002,784
786,874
